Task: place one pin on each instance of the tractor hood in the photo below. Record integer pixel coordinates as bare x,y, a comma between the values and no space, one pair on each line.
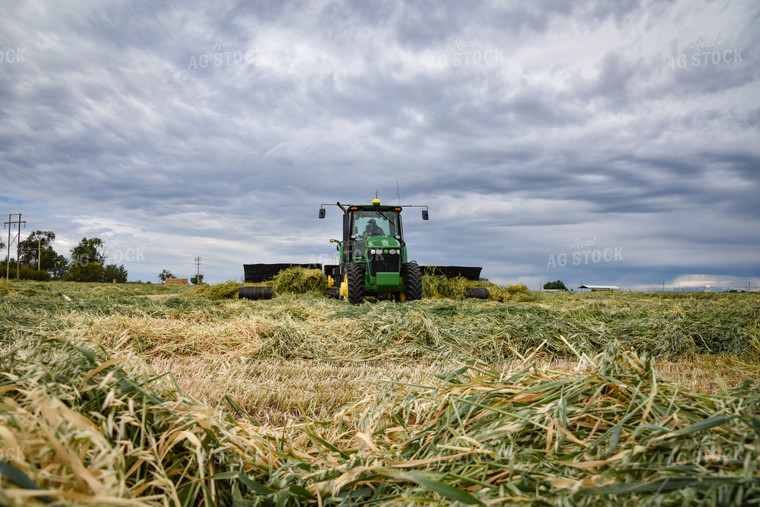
382,242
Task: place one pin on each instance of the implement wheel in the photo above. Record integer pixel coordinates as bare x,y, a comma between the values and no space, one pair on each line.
474,292
412,275
255,292
355,281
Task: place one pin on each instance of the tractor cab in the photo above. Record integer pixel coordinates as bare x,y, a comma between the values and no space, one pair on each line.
367,229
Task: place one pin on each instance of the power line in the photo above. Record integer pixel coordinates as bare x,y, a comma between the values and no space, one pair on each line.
198,272
10,223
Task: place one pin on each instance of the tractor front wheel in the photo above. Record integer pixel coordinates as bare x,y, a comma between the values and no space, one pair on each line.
413,279
355,281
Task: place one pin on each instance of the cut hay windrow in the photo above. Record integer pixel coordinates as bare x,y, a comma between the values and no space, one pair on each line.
438,286
85,427
298,280
317,327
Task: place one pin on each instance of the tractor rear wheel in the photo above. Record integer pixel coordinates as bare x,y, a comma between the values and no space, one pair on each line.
355,280
413,279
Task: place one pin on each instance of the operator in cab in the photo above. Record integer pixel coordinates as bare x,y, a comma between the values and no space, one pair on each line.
373,229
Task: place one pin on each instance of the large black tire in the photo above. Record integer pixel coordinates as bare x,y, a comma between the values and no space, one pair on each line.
413,279
355,281
255,292
476,292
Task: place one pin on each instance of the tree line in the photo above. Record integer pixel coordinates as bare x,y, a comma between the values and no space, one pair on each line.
39,261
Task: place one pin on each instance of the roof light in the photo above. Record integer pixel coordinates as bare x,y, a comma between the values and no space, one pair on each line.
376,202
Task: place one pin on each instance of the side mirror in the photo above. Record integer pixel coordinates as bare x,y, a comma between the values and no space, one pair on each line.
424,214
321,213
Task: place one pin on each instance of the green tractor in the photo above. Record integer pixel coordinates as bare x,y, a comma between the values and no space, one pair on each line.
373,257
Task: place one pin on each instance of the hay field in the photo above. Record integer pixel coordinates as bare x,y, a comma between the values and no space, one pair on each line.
155,395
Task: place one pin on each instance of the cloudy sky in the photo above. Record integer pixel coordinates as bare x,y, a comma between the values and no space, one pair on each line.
594,142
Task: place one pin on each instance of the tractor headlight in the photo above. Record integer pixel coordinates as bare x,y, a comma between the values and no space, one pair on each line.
373,251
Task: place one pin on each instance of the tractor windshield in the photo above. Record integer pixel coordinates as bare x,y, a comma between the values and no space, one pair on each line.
368,223
375,223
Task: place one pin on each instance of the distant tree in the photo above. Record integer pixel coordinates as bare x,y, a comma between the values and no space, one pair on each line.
30,273
113,272
5,267
196,280
58,266
87,251
556,285
87,272
87,264
163,275
37,241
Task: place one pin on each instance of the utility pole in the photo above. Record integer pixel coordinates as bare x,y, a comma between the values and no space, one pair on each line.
8,255
39,252
10,223
198,271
